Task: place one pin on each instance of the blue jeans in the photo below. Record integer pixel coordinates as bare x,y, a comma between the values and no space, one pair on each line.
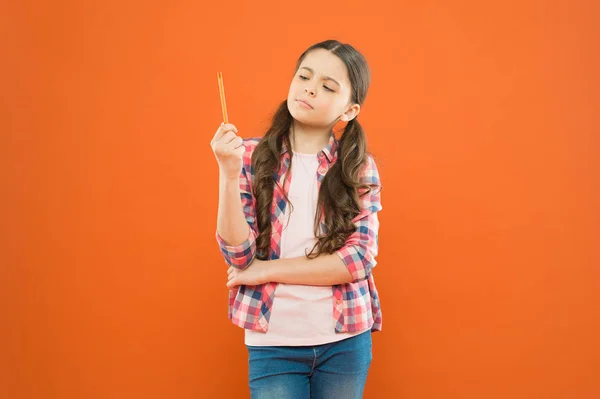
334,370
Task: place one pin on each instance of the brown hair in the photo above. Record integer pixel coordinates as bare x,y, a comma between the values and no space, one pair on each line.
338,196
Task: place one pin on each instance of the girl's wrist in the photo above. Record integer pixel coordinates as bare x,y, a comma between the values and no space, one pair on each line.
226,178
264,269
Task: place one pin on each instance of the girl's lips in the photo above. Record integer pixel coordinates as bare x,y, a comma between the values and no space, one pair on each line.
305,104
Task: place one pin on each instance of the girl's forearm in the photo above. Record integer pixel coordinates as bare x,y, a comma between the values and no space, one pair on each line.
326,269
231,221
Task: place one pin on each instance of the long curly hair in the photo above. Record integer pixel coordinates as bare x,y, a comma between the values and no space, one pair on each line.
338,199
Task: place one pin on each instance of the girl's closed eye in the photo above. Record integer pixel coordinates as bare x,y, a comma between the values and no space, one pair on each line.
325,87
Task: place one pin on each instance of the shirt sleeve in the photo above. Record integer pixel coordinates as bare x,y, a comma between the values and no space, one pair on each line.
361,247
241,256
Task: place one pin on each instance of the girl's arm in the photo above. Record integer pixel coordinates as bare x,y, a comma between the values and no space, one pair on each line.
322,270
236,231
350,264
231,221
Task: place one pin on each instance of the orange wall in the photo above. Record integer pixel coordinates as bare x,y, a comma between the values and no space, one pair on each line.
484,121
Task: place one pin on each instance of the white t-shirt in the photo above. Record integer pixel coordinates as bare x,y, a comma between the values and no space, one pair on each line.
301,314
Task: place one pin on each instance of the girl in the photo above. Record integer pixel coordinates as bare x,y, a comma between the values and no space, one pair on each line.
301,243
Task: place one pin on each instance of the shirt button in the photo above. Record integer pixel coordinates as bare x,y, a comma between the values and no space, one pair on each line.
322,170
339,302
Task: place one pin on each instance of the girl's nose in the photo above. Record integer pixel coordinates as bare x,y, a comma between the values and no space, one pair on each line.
310,92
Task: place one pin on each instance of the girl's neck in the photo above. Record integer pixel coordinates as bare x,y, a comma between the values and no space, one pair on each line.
308,139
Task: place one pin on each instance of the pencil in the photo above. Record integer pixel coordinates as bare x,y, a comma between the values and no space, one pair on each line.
222,93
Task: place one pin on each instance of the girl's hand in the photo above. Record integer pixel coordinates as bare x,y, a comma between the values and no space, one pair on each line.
255,274
228,149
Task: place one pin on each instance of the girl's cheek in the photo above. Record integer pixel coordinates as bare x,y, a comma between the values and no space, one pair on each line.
325,105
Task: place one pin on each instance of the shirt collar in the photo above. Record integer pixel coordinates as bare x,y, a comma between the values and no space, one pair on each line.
328,151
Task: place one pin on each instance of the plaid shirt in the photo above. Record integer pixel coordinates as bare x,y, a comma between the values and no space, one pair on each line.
356,305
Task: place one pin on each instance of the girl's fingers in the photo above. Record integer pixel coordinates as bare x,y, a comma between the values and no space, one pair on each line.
235,147
228,137
239,152
222,130
234,143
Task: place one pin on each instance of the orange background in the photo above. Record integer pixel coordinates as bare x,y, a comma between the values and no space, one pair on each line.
483,119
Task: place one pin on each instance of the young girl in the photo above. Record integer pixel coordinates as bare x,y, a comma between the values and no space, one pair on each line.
301,244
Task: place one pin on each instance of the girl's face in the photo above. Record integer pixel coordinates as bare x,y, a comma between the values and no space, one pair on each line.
320,91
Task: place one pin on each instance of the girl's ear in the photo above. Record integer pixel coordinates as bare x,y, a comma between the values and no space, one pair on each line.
351,113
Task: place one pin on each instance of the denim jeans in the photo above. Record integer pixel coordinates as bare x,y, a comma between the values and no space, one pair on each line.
334,370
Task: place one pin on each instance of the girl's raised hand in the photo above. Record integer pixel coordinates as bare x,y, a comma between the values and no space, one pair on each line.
228,149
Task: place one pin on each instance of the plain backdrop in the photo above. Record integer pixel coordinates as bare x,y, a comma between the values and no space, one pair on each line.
483,119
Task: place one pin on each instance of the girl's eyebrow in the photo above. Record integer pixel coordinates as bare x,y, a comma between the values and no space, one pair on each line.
325,77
